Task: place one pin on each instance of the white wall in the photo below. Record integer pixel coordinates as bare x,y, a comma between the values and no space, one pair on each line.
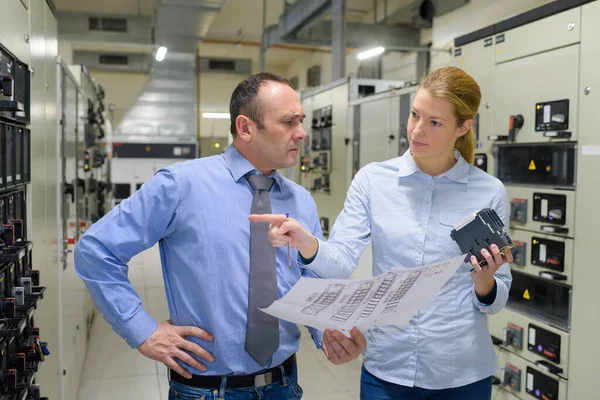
299,66
215,93
400,66
65,50
216,89
474,15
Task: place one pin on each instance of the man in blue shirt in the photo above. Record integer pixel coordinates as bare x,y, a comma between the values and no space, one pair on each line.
198,213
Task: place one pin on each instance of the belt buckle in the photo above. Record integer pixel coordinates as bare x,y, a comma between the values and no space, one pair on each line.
263,379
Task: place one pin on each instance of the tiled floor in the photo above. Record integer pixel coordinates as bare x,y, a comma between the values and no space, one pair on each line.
114,371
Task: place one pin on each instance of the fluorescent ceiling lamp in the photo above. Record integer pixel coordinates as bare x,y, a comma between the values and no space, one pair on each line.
161,53
215,115
370,53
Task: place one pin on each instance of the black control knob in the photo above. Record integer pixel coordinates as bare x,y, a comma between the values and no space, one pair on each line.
509,338
7,235
515,123
9,377
518,121
68,188
80,183
6,84
20,362
92,185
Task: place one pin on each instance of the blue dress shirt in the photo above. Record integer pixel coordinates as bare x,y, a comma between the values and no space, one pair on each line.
198,213
408,215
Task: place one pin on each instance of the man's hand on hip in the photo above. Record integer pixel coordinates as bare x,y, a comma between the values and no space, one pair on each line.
167,342
340,349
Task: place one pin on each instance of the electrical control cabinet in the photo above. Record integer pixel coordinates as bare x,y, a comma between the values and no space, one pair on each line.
326,155
84,192
22,348
537,133
519,378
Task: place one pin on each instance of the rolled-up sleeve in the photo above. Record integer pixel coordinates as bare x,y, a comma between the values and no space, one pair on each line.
102,254
503,276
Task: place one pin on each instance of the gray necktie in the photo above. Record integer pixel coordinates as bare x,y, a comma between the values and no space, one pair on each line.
262,333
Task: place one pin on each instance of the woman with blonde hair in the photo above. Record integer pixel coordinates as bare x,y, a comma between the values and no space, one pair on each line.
407,206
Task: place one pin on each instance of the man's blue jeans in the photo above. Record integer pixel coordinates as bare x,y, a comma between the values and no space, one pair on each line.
373,388
287,389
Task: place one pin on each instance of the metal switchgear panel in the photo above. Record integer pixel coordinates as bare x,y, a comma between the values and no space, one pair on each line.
541,299
548,253
540,164
544,343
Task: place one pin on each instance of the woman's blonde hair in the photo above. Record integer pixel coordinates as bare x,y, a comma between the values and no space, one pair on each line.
460,89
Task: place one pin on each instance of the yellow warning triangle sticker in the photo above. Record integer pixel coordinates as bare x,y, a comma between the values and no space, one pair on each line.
526,295
532,166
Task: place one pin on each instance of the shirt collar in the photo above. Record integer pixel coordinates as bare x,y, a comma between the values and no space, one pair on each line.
458,173
239,166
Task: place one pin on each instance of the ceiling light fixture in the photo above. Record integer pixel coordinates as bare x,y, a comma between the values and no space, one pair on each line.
370,53
161,53
215,115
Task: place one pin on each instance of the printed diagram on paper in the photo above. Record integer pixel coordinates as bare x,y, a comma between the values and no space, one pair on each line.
389,299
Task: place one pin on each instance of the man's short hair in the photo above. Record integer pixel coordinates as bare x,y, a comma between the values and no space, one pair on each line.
244,99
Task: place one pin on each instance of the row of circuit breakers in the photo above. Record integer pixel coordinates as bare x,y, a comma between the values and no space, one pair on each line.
21,347
540,178
92,157
316,150
316,155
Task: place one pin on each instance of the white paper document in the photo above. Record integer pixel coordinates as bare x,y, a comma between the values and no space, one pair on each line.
389,299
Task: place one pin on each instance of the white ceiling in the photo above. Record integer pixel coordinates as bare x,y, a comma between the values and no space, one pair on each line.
235,32
239,20
242,19
275,57
119,7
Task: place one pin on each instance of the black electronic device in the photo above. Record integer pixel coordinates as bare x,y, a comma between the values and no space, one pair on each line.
548,253
479,231
14,88
540,385
544,343
552,116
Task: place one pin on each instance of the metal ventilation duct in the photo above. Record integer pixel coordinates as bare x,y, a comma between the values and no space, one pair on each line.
304,23
166,109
